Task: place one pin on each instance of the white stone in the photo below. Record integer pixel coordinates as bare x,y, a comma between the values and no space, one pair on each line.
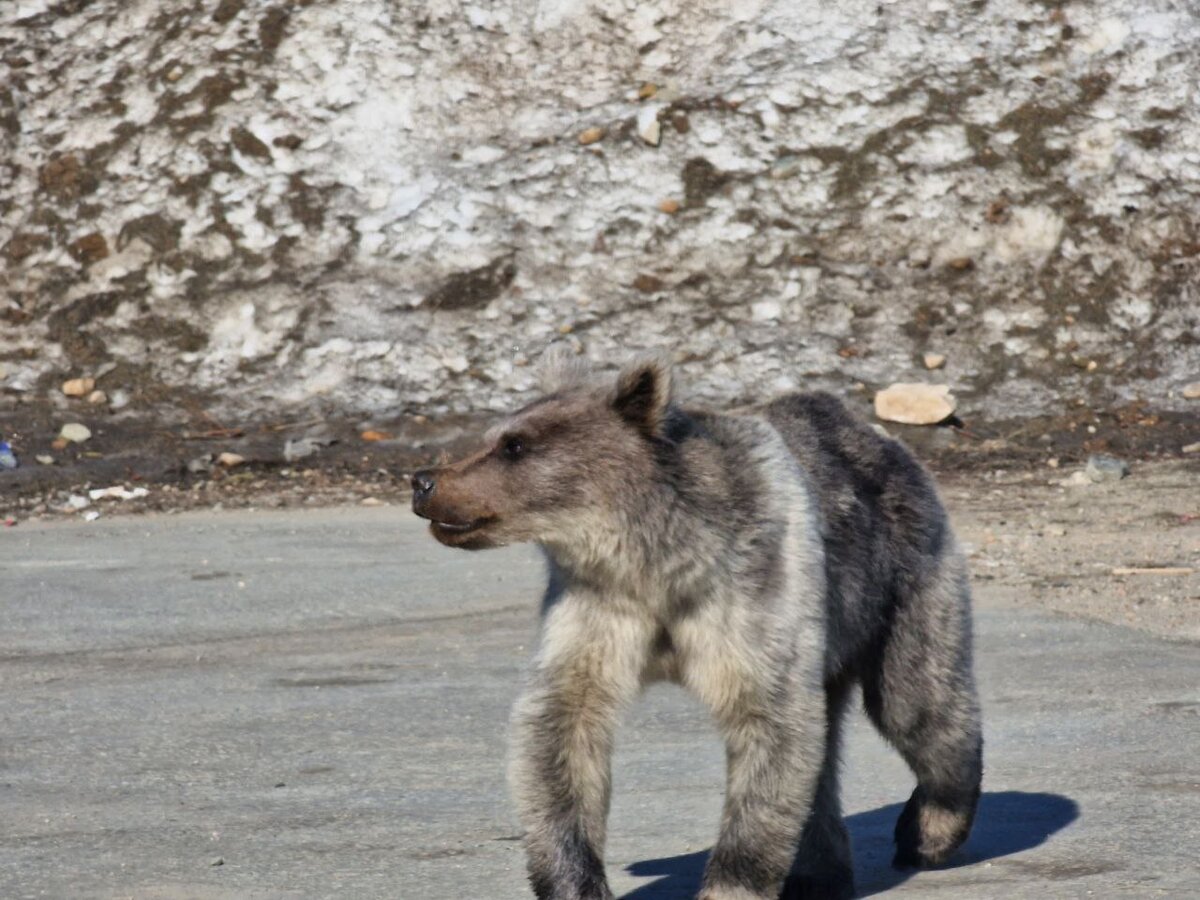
915,403
647,125
75,432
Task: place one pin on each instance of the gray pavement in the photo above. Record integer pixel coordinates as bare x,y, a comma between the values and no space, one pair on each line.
319,699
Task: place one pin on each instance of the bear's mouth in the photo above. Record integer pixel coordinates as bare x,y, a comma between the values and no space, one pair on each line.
458,529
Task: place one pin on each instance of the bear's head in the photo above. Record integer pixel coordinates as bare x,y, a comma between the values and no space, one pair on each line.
558,468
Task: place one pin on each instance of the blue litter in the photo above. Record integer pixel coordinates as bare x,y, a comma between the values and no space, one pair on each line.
8,459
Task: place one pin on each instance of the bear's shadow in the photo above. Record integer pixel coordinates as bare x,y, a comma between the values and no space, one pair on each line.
1007,822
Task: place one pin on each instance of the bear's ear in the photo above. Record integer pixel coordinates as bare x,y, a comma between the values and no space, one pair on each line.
643,393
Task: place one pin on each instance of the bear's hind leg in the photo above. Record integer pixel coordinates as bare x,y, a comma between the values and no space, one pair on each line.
920,693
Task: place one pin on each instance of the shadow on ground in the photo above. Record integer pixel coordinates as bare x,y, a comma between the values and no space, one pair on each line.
1008,822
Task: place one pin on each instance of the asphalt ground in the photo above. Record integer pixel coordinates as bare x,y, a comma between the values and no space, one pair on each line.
313,703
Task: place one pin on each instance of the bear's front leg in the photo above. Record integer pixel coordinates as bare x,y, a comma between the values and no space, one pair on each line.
588,667
775,741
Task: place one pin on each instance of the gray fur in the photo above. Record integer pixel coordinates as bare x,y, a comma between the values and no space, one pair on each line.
767,561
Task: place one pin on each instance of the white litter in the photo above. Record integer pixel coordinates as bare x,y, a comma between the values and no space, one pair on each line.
117,492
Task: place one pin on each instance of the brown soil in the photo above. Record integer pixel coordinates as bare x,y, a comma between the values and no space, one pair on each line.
1042,542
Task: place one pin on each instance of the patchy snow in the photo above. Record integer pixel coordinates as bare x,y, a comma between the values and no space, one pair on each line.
297,190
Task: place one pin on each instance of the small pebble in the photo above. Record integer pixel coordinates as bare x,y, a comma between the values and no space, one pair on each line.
1105,468
217,861
75,433
670,207
934,360
96,398
1192,391
200,464
79,387
648,127
590,135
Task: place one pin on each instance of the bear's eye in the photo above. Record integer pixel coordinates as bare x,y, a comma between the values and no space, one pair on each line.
513,448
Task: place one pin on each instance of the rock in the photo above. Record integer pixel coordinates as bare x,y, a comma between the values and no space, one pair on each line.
198,465
934,360
372,435
118,400
91,515
371,501
1192,448
648,284
960,263
1078,478
44,459
217,861
79,387
670,207
229,460
915,404
1101,467
788,166
75,433
303,448
96,398
1192,391
647,90
591,136
647,125
76,502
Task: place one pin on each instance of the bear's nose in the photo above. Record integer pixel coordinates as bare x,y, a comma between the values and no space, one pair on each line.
422,485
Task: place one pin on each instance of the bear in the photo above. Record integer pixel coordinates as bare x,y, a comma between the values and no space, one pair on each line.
767,559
